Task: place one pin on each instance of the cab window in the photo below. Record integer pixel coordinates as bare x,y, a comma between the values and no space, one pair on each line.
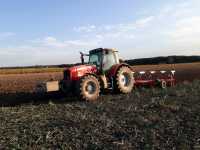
108,61
95,59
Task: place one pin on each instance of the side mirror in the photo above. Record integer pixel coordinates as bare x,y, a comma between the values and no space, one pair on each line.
82,58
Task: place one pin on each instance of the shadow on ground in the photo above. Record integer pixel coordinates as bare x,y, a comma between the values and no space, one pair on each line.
13,99
20,98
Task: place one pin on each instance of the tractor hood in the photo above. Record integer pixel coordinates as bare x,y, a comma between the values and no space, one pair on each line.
76,72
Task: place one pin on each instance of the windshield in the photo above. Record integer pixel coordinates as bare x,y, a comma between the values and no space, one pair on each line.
95,59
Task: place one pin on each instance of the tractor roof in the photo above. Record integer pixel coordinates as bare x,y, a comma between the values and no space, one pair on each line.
101,50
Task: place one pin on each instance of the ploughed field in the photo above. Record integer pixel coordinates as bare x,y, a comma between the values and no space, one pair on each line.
144,119
25,80
184,72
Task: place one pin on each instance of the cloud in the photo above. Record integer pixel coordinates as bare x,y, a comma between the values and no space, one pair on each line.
185,35
55,43
81,43
88,28
138,24
183,32
143,22
49,46
111,32
122,27
4,35
51,41
187,28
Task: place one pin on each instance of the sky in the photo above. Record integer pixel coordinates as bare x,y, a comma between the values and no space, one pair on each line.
43,32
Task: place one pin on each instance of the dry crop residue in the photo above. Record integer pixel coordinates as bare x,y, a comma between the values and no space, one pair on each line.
144,119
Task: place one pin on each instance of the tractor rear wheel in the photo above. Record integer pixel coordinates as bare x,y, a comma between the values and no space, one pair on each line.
124,81
89,88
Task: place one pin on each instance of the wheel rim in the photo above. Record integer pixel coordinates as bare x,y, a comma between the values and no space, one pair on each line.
90,88
125,79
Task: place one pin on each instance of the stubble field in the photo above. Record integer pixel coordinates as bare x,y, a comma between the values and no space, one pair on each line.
144,119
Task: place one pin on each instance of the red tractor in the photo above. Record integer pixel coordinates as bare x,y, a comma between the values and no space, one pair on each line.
103,71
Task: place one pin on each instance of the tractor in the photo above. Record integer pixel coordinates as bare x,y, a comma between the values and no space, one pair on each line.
104,71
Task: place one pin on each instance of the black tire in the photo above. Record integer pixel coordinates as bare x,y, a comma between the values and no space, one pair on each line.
65,87
62,87
124,80
88,88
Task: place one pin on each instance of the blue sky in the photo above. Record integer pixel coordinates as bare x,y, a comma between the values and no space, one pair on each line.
53,32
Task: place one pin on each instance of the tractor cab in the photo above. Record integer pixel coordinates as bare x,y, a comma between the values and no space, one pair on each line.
104,59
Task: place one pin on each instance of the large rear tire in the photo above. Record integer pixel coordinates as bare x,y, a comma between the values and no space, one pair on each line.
124,81
89,88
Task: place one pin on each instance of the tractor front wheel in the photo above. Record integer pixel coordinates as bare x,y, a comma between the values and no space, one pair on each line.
124,81
88,88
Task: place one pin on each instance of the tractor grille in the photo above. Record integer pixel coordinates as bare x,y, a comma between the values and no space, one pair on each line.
66,74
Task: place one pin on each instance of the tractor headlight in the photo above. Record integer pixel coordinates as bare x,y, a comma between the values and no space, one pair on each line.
79,73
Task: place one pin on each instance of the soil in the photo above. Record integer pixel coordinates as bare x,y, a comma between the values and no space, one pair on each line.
26,83
145,119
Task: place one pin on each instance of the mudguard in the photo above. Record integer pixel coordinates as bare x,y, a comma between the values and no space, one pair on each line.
112,72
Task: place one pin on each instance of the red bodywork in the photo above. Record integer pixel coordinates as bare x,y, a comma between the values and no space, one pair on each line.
76,72
112,72
73,74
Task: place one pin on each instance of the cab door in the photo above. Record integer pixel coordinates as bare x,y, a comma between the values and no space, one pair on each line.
109,59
